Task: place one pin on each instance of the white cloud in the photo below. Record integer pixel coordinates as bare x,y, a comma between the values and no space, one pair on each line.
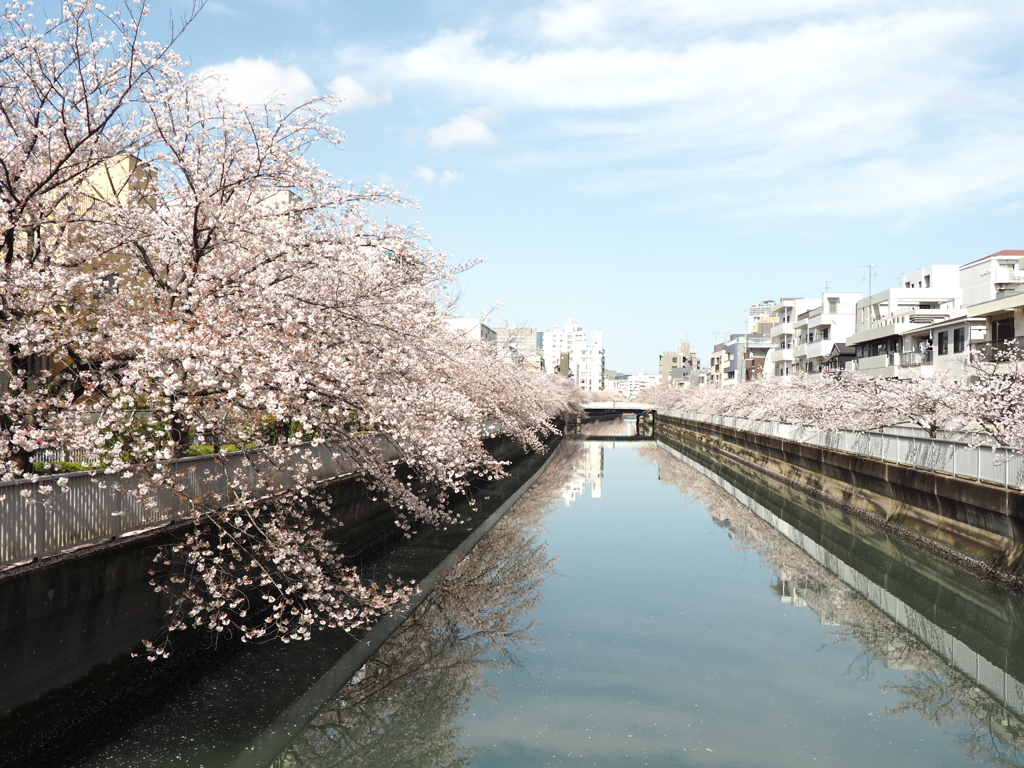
464,129
853,106
430,176
612,21
425,174
356,95
252,81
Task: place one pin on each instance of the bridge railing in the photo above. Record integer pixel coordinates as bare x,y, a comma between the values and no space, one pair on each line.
58,513
983,463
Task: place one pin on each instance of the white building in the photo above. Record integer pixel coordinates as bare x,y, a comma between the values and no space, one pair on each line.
627,387
821,332
759,311
781,357
893,338
566,351
991,277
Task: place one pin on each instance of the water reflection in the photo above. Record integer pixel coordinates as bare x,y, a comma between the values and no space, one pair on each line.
402,707
945,681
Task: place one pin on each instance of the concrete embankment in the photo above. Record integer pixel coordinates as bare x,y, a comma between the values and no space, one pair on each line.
977,525
68,623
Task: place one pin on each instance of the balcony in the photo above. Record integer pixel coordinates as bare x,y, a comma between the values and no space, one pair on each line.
997,351
782,329
889,363
913,359
876,362
782,355
1003,276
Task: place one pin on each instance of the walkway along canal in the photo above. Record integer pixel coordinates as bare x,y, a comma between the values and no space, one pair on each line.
642,604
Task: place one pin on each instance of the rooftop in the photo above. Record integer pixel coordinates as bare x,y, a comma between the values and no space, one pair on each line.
991,255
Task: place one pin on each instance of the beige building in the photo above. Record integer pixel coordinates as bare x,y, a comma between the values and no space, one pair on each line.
678,367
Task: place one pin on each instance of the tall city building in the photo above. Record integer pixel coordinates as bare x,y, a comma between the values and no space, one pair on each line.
758,311
566,351
521,343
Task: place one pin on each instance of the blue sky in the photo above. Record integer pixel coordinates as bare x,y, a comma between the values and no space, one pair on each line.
652,168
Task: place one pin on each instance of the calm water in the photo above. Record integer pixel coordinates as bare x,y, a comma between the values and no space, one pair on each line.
677,627
641,607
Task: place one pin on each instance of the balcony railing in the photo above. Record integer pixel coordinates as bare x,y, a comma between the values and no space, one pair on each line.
893,360
997,351
912,359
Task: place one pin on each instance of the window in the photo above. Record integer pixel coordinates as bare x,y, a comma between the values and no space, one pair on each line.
824,333
833,305
927,281
1002,329
958,339
943,342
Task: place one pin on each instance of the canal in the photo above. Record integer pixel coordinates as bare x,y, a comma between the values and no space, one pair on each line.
641,605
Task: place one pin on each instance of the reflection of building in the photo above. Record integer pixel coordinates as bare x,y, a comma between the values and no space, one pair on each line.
589,470
788,592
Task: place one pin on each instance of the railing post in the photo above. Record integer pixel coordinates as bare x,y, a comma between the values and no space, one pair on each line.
40,530
118,510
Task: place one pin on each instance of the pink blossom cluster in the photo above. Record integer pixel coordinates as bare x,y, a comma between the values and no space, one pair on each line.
177,272
987,406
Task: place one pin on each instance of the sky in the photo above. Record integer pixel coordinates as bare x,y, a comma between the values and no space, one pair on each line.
653,168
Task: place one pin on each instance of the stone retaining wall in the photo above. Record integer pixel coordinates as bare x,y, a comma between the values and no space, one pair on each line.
979,519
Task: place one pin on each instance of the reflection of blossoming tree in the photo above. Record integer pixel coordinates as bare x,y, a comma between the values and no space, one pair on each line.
402,706
934,690
608,428
942,695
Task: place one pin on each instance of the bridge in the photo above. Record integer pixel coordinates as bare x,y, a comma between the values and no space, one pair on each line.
619,407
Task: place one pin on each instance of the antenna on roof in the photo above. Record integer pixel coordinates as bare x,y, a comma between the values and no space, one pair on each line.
827,287
872,274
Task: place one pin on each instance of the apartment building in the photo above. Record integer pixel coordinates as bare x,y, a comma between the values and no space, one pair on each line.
781,358
522,344
567,347
759,312
893,336
821,332
679,368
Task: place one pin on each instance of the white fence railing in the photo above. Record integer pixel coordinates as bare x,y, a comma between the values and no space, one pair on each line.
58,513
904,445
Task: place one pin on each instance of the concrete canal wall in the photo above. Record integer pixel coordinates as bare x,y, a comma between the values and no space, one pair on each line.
68,614
980,524
966,627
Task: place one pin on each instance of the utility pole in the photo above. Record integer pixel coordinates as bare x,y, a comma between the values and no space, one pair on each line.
872,274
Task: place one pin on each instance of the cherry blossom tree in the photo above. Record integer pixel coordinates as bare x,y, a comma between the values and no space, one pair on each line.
179,272
842,402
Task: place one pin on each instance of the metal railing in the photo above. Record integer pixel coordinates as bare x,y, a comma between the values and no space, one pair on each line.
997,351
982,463
58,513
